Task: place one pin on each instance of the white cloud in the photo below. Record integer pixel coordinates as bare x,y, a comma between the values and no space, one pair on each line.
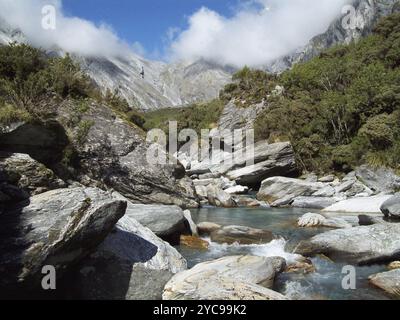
259,31
72,34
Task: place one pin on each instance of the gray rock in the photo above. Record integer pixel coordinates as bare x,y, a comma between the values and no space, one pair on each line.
219,198
27,174
391,207
317,220
380,180
313,202
241,235
280,191
228,278
166,222
269,160
205,228
193,228
57,228
369,220
326,179
361,245
131,264
387,281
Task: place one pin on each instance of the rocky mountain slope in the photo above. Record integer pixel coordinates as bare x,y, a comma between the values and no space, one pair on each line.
162,86
367,13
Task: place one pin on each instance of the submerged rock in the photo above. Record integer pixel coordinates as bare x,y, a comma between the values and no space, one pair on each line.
228,278
194,242
241,235
387,281
361,245
131,264
57,228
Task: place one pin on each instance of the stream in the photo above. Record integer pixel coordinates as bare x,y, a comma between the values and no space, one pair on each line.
324,284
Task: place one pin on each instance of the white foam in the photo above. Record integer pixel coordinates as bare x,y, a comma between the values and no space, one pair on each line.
276,248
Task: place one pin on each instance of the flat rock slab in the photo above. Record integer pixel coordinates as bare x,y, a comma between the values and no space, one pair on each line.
228,278
359,205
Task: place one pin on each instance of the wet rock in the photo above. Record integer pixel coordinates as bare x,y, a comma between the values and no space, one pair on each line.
241,235
194,242
394,265
388,281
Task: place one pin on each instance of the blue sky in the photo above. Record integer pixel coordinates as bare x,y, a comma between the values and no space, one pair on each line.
144,21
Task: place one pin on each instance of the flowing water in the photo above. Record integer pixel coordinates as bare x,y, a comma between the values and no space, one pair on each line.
325,283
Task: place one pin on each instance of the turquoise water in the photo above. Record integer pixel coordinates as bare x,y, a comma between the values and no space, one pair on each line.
325,283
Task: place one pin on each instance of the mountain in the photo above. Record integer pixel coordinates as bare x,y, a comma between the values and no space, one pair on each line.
163,85
367,13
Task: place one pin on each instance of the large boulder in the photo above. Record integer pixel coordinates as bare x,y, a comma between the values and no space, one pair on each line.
391,207
219,198
359,205
280,191
57,228
241,235
361,245
114,152
43,141
88,142
270,160
228,278
131,264
379,180
27,174
387,281
167,222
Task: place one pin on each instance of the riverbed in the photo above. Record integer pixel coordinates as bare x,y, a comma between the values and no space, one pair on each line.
324,284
